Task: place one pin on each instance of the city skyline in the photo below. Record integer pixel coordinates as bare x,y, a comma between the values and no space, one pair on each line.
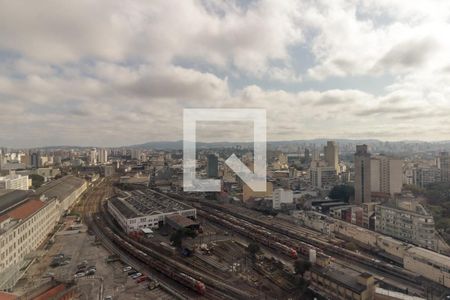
94,74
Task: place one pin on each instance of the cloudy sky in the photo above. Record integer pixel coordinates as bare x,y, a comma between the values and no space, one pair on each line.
111,73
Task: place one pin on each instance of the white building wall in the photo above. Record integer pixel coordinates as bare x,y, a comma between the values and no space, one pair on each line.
27,235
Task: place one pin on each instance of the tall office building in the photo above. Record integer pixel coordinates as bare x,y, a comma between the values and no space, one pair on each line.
36,160
331,151
386,175
362,175
444,164
213,166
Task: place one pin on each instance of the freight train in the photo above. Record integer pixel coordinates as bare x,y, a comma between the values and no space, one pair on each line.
167,270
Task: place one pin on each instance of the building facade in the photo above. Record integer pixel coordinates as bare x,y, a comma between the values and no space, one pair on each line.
444,165
408,222
322,177
22,230
362,175
386,175
14,182
281,196
331,151
212,166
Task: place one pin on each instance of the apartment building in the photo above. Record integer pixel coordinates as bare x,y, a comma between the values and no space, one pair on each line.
406,220
386,175
14,182
322,176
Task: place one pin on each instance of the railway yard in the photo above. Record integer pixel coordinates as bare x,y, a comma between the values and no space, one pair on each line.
93,251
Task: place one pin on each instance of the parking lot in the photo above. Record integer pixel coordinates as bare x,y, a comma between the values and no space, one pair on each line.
75,251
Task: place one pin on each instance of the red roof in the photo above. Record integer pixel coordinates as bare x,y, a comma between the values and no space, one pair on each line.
3,217
7,296
27,209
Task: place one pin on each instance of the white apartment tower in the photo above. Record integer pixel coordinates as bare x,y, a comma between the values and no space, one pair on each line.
102,156
386,175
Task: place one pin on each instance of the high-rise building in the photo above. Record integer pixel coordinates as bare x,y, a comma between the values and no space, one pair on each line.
386,175
213,166
322,176
102,156
423,176
307,154
331,151
36,160
315,154
362,175
444,164
93,156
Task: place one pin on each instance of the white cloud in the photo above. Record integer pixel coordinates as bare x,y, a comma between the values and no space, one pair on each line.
109,72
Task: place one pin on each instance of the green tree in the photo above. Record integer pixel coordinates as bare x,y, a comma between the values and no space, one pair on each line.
36,180
342,192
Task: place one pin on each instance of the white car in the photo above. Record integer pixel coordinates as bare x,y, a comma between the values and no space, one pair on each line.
136,275
78,275
126,269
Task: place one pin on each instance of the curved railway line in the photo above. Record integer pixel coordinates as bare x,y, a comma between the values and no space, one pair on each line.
140,256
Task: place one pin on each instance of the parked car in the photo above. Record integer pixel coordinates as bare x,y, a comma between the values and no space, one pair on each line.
141,279
127,268
136,275
132,272
90,272
78,275
49,274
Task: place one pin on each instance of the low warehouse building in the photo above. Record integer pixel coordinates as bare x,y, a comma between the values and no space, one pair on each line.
145,208
66,190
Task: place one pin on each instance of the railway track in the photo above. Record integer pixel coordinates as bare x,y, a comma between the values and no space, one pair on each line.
90,205
227,291
394,274
92,210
